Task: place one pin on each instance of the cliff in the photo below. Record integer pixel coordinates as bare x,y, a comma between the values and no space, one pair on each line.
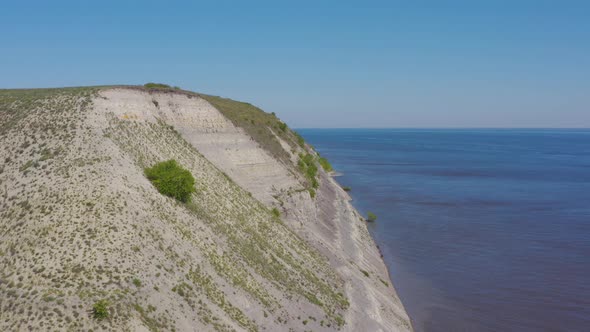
263,245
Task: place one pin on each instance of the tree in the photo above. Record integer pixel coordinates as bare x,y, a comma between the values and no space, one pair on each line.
172,180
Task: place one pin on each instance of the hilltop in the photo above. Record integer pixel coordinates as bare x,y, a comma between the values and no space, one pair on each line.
268,241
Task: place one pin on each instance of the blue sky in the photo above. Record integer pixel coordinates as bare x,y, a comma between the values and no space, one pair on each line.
322,63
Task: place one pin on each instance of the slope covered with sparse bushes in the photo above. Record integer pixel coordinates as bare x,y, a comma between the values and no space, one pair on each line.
97,233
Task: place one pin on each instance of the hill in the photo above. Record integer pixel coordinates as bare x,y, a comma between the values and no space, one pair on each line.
88,243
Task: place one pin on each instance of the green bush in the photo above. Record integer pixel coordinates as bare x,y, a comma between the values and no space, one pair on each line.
300,139
371,216
308,166
326,164
347,188
100,309
276,212
152,85
172,180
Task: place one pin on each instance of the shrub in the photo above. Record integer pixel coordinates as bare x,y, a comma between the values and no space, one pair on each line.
137,282
276,212
371,216
282,126
172,180
300,139
308,167
326,164
152,85
347,188
311,193
100,309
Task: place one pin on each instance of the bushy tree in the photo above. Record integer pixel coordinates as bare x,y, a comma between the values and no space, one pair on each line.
172,180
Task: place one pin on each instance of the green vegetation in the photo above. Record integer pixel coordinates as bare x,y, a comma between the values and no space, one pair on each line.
18,104
261,126
151,323
100,309
282,126
300,140
308,167
371,216
172,180
152,85
276,212
347,188
325,164
365,272
137,282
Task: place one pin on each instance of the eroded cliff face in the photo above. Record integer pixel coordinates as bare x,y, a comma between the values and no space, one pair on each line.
80,223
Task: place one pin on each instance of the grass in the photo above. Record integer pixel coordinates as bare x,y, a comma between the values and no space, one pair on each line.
325,164
160,86
18,104
371,216
276,212
100,309
311,192
308,167
261,126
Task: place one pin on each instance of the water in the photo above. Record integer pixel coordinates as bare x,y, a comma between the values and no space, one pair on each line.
482,230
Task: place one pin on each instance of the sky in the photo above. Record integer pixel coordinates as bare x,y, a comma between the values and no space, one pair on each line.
322,64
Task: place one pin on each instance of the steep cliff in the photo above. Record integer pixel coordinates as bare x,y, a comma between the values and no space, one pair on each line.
262,246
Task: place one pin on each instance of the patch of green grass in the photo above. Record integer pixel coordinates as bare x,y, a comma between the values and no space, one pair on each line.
364,272
172,180
276,212
347,188
258,124
137,282
300,140
152,85
371,216
325,164
308,167
311,193
100,309
17,104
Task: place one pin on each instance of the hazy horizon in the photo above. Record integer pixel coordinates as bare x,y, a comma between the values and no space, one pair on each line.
329,65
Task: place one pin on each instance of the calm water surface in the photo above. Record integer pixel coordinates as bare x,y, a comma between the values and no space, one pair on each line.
482,230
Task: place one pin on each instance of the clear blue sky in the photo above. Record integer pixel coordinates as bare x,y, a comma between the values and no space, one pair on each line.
318,63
